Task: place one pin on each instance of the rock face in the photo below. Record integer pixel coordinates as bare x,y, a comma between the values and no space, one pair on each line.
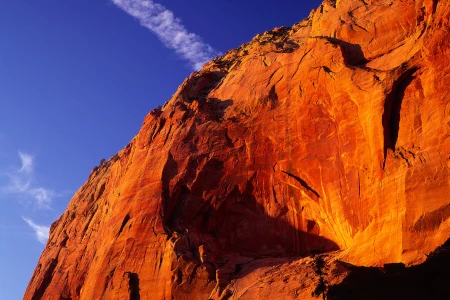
330,137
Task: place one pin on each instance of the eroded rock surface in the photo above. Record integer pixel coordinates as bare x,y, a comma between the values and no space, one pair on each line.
332,136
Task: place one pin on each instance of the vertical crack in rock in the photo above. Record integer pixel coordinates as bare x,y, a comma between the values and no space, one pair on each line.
124,222
169,172
101,190
273,97
435,3
133,286
271,76
392,108
300,62
87,225
303,183
274,195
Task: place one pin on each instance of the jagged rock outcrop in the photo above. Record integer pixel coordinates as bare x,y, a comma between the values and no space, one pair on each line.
320,146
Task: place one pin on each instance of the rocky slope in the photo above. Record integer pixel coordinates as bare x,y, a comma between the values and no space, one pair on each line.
275,169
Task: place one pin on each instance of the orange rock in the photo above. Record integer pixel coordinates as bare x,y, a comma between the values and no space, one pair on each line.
330,136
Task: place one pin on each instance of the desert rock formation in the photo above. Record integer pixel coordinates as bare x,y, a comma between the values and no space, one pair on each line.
331,137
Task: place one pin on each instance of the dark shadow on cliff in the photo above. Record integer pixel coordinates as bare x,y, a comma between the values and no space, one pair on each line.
429,280
214,108
352,53
233,230
392,109
245,227
236,221
133,286
231,237
215,216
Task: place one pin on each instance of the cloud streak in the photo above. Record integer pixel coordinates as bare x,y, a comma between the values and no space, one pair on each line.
170,31
41,232
42,196
21,183
27,162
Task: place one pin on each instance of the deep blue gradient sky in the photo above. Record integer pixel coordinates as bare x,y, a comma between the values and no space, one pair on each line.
77,78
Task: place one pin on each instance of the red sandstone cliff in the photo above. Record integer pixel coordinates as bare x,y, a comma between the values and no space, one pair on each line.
332,136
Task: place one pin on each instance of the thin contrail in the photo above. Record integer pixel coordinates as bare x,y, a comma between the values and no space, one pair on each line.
169,30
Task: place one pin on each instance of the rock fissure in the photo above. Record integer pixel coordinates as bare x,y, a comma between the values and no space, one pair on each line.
392,109
133,286
302,183
124,223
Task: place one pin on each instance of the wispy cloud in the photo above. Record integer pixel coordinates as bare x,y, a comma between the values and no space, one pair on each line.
41,232
43,196
27,162
22,182
169,30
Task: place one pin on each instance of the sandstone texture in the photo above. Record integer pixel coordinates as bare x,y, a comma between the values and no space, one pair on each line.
276,170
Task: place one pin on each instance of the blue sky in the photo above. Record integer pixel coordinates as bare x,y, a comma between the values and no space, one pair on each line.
77,78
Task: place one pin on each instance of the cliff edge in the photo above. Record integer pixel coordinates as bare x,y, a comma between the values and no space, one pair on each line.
276,169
